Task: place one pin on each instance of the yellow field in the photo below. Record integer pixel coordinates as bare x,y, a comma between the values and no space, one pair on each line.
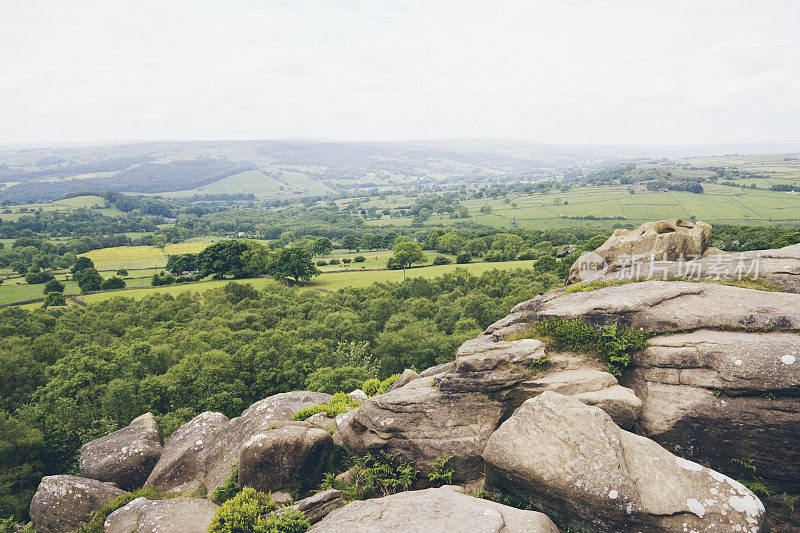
140,256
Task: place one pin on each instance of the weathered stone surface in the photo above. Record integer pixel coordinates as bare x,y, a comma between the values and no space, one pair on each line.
358,395
181,515
430,510
125,457
423,424
406,377
63,502
713,396
735,362
667,240
206,448
438,369
671,306
179,463
319,505
289,456
574,463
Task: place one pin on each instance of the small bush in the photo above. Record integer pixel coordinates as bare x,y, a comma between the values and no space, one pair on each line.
359,259
375,475
441,260
347,260
54,299
612,344
322,263
34,278
242,513
440,473
340,403
122,272
162,279
463,258
95,524
228,489
53,286
334,261
112,283
292,521
375,386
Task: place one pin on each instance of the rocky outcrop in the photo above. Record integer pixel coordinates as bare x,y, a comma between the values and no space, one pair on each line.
671,306
721,380
452,414
318,506
125,457
203,451
571,461
423,423
429,510
61,503
288,456
665,240
670,249
181,515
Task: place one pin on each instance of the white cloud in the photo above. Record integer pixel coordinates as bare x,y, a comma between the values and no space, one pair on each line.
551,71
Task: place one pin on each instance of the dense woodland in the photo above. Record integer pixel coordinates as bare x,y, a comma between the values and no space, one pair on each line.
74,375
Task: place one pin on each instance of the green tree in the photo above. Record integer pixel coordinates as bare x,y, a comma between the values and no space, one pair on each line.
369,241
112,283
54,299
223,258
21,467
407,253
322,246
351,242
160,241
450,243
476,247
294,263
89,279
81,263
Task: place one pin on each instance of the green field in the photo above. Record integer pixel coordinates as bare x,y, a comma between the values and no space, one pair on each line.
96,203
330,281
608,205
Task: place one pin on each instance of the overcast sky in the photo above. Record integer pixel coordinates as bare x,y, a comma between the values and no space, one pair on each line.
566,71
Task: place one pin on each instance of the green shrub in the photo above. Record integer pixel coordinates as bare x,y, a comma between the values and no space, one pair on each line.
591,286
346,260
376,475
334,261
95,524
440,473
54,299
112,283
371,386
441,260
228,489
242,513
359,259
340,403
463,258
388,382
611,344
292,521
322,263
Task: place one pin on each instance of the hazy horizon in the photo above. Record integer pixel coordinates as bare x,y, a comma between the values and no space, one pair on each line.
567,73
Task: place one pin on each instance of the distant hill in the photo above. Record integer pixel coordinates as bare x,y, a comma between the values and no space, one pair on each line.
305,166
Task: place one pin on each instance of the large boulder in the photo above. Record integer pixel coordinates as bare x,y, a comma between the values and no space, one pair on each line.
713,396
574,463
424,423
317,506
181,515
180,463
430,510
290,456
722,380
203,452
666,240
125,457
670,306
670,249
61,503
452,414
